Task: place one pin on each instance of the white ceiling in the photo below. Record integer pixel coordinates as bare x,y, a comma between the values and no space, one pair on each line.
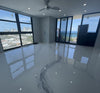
68,7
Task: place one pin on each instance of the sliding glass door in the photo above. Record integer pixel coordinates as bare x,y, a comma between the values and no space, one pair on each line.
68,29
75,25
64,29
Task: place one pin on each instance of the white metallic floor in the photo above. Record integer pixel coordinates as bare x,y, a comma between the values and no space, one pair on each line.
50,68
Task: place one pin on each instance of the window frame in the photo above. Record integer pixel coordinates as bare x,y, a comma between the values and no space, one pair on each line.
18,28
90,14
65,31
58,41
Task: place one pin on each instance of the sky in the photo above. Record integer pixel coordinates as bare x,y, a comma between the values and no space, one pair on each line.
6,15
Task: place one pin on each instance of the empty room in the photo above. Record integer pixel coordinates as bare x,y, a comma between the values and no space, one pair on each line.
49,46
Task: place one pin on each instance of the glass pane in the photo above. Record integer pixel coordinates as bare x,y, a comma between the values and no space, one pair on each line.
27,39
10,41
76,23
8,26
92,20
23,18
68,28
58,29
6,15
26,27
63,29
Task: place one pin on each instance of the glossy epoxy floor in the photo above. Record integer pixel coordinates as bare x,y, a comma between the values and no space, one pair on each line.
50,68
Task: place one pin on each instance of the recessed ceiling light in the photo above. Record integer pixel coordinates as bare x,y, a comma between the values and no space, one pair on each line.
20,89
59,10
43,14
84,4
29,8
85,11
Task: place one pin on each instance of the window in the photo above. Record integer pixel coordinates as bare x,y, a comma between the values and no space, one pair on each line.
8,26
92,20
63,29
26,27
10,41
58,30
26,38
15,29
68,28
25,23
6,15
25,19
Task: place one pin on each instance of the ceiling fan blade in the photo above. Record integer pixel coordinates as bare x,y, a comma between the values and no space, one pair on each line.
42,9
55,8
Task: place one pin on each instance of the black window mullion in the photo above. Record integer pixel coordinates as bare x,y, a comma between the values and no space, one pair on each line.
66,28
7,20
19,29
25,23
70,29
32,28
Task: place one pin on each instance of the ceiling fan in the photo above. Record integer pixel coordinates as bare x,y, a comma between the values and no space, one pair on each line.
47,7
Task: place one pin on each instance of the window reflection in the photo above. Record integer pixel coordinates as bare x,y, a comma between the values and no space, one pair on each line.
61,50
28,51
16,69
66,51
71,53
13,55
84,60
20,60
29,62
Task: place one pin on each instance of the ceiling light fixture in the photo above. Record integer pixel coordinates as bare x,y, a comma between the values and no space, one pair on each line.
29,8
59,10
84,4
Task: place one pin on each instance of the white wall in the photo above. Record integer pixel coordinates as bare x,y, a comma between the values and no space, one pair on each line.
47,29
36,29
44,28
52,29
97,43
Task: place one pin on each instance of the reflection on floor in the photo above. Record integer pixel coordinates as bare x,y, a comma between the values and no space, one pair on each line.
50,68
